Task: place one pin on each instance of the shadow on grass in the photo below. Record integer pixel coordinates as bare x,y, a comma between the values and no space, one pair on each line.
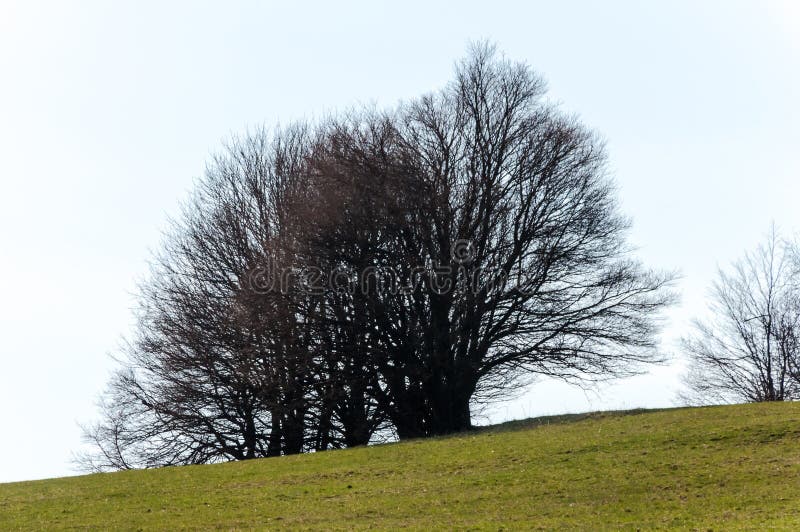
533,422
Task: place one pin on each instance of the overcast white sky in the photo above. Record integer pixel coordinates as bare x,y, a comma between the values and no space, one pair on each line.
109,110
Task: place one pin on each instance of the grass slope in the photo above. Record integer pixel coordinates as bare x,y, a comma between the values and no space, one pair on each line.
720,468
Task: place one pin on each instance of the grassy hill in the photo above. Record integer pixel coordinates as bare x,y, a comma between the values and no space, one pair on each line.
718,468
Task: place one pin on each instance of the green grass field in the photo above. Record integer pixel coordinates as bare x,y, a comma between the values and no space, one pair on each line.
720,468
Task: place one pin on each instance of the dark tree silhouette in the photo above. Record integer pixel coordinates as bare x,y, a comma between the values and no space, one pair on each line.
495,212
382,271
217,370
749,348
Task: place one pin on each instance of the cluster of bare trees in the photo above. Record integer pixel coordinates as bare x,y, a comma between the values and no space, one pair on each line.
749,348
376,275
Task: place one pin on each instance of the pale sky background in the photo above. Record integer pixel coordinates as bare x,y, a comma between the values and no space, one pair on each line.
109,110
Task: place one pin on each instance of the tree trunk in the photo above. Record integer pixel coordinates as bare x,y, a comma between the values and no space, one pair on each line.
451,412
275,436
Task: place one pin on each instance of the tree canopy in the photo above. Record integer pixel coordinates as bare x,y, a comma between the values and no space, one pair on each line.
378,273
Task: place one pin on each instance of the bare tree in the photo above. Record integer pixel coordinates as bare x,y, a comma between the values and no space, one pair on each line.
749,349
494,212
217,370
416,261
